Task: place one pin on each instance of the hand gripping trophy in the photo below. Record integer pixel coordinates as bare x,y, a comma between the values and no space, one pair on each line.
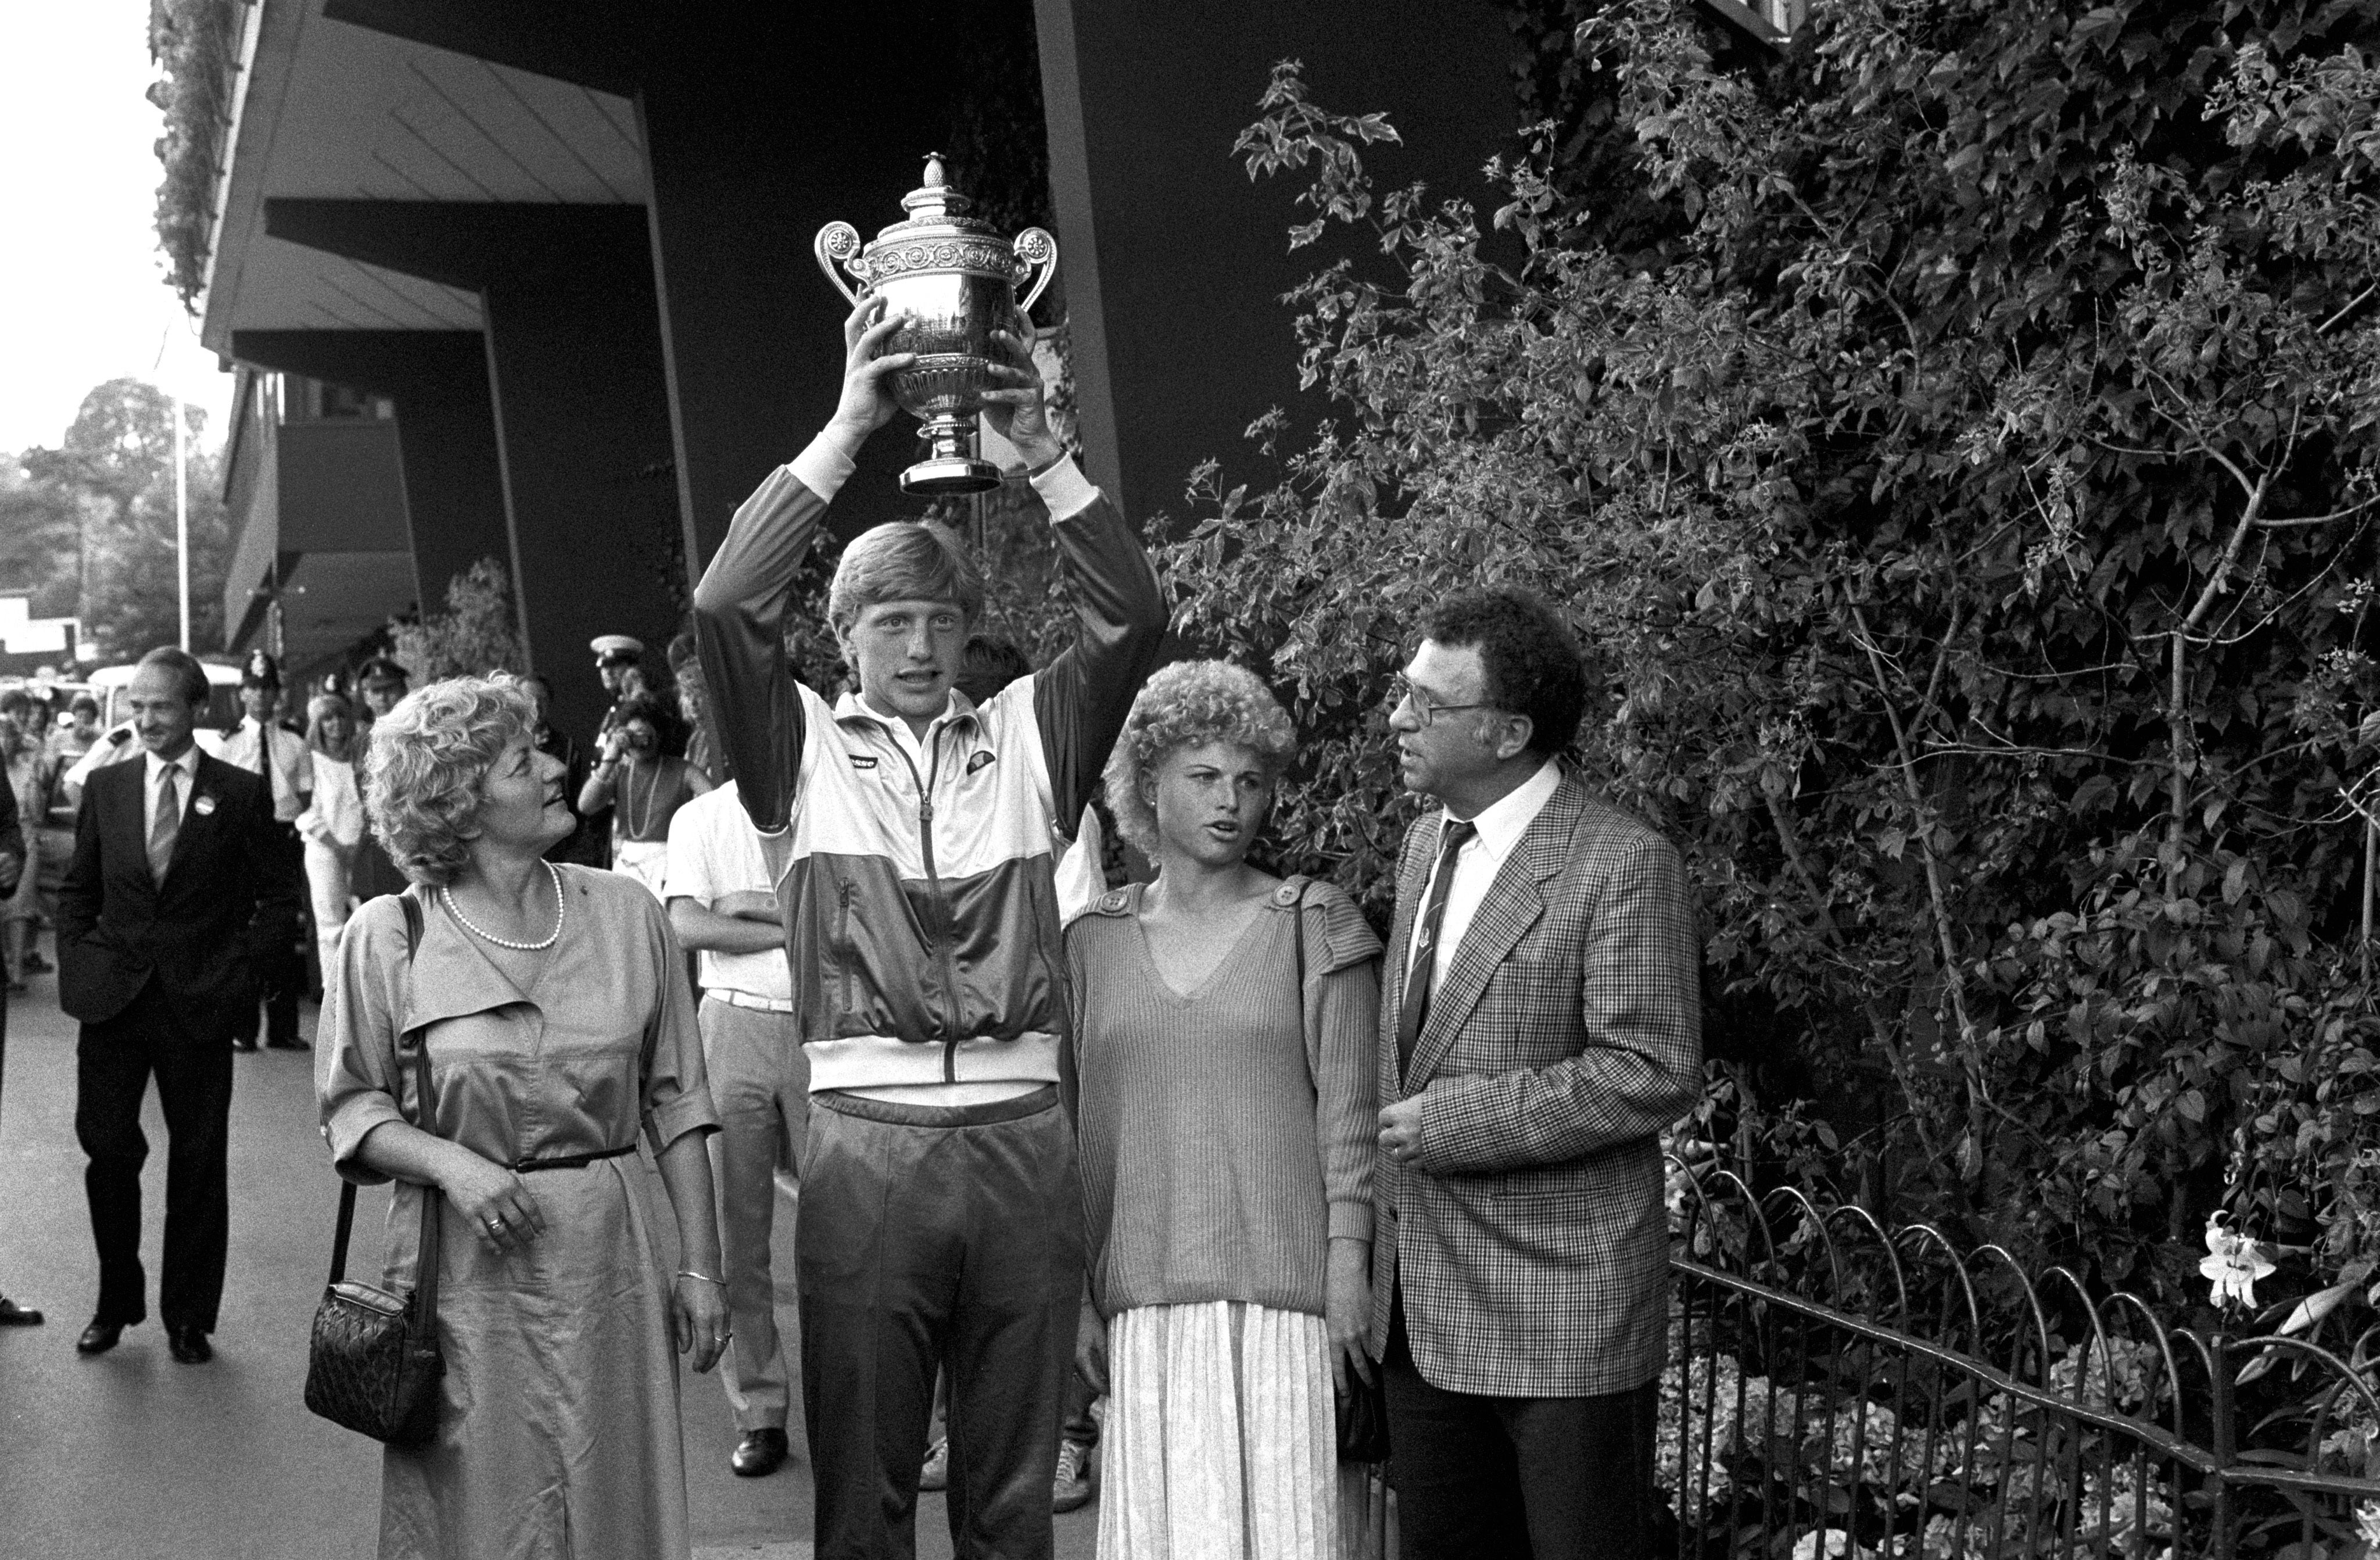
956,279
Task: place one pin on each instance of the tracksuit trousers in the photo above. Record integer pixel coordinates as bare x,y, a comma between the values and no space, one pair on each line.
934,1237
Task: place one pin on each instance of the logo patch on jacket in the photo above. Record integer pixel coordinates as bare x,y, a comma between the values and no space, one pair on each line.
983,756
861,760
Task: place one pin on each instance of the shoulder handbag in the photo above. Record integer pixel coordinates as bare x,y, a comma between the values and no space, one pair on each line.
1361,1411
374,1364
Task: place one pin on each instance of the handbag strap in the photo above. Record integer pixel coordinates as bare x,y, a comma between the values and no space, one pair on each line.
427,1258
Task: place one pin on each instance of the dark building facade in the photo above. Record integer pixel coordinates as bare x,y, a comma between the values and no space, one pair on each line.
562,260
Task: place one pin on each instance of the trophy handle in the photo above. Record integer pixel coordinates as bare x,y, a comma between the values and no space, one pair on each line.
837,242
1035,247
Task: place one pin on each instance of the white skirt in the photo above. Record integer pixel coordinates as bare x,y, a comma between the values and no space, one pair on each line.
1221,1442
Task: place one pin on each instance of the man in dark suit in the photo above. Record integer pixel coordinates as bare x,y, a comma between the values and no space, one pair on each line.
1540,1026
178,883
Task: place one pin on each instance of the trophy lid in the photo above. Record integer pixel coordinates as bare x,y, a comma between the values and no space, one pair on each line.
934,207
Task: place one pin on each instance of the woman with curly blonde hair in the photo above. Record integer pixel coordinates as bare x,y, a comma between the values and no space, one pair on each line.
550,1007
1224,1029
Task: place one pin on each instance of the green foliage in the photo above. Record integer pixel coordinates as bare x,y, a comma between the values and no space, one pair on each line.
1955,446
473,636
100,509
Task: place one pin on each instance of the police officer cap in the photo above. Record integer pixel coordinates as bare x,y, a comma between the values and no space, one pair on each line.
616,647
260,670
380,669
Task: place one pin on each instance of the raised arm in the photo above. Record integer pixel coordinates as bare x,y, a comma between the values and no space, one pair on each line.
1080,699
739,608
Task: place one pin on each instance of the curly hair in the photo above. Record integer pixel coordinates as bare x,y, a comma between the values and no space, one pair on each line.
1531,658
425,765
1185,705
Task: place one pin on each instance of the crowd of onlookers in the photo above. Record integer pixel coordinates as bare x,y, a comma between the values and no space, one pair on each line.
1113,1148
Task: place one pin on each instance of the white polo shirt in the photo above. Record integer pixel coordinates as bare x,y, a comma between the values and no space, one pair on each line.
715,851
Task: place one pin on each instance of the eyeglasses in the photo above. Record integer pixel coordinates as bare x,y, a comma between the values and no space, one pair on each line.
1426,709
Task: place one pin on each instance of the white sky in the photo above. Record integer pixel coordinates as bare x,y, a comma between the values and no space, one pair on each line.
83,296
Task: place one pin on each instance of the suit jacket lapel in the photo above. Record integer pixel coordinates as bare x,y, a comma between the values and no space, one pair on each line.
1413,876
1512,905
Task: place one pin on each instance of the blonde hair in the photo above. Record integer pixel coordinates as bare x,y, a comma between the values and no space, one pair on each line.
902,561
1185,705
425,764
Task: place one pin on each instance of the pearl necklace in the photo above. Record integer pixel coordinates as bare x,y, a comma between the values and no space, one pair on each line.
560,916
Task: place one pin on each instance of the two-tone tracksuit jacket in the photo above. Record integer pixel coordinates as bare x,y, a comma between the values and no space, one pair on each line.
915,876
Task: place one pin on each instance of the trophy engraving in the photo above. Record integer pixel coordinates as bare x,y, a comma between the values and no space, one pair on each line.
956,278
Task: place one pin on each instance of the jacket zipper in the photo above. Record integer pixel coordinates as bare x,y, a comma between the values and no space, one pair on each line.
934,884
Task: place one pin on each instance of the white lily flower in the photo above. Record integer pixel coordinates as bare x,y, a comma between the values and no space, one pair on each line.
2233,1262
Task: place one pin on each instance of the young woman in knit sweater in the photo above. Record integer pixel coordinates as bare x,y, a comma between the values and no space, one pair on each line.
1224,1029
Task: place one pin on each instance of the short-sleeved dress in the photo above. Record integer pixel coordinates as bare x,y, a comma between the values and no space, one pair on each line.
1226,1135
558,1437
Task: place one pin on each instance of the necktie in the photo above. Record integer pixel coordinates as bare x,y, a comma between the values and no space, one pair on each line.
168,825
1419,979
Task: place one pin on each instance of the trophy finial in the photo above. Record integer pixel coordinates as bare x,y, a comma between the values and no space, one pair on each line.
934,200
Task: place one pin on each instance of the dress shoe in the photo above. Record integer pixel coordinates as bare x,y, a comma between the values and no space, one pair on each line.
13,1315
99,1337
1076,1480
189,1344
247,1044
760,1452
288,1042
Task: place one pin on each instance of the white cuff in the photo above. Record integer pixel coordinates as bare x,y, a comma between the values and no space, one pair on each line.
823,467
1064,488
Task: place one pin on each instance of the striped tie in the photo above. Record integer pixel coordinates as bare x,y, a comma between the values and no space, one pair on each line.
1419,981
168,825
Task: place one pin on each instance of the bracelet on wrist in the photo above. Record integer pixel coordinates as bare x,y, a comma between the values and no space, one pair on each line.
689,1273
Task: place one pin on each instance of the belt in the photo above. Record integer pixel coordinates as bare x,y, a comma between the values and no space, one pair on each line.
735,998
569,1161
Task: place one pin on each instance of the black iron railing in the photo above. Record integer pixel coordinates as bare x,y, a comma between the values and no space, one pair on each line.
1837,1390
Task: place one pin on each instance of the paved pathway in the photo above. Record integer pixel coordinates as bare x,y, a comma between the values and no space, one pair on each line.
131,1457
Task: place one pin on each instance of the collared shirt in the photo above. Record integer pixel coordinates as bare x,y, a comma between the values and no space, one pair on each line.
1501,826
291,772
715,851
184,783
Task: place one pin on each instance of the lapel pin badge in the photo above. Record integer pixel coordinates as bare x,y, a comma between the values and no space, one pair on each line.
202,805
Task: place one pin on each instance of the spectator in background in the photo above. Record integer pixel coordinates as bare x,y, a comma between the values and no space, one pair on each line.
262,746
333,823
32,773
72,739
723,905
1223,1033
379,683
585,845
694,708
642,786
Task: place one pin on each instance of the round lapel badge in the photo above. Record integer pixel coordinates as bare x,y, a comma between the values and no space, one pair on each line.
202,805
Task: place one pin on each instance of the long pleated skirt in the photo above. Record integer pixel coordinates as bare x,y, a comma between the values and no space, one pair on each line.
1221,1442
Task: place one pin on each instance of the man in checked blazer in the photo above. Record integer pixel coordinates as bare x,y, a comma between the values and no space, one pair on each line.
1540,1026
178,883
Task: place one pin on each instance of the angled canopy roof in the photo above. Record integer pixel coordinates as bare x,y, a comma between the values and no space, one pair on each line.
327,109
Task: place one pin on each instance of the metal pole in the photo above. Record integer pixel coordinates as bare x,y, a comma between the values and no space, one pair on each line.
182,515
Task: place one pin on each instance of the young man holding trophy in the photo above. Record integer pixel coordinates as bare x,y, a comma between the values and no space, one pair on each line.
908,832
